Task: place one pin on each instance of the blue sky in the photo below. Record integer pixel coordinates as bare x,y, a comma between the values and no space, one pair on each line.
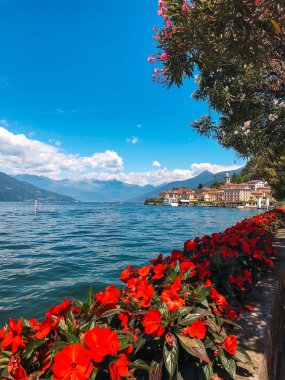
75,74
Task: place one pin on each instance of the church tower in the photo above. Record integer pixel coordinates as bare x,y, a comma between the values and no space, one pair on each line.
227,179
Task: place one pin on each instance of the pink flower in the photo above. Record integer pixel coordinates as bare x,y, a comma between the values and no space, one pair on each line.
160,4
185,7
168,23
150,59
167,35
164,56
160,12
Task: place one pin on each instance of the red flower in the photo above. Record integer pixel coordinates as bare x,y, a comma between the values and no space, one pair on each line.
14,337
218,298
247,276
230,314
158,260
186,265
203,271
60,311
15,369
190,245
144,293
72,362
110,295
172,299
177,284
119,369
152,323
230,344
123,317
101,342
144,271
2,332
126,274
159,270
197,329
169,339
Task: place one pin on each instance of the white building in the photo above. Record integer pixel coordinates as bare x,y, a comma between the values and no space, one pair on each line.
256,184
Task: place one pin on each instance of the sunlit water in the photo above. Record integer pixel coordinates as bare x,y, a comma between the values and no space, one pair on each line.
66,248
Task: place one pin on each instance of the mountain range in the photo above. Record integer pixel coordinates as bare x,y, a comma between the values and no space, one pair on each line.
24,187
13,190
89,190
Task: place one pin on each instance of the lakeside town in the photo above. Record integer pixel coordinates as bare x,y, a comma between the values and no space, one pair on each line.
251,194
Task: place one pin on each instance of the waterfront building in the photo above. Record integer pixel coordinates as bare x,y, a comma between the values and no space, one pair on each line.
229,193
202,194
216,195
177,195
237,194
257,184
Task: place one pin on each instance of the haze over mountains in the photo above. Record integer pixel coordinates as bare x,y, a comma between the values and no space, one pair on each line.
24,187
90,190
12,190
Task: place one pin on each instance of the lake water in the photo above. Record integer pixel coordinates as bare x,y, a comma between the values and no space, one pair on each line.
66,248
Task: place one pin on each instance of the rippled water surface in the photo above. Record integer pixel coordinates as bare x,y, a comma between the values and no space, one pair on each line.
66,248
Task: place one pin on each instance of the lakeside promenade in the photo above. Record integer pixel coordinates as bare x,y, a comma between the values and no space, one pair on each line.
262,330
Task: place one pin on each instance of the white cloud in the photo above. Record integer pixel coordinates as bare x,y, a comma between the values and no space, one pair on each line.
156,164
133,140
158,176
20,154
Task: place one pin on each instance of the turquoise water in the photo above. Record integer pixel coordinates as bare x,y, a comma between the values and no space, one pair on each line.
66,248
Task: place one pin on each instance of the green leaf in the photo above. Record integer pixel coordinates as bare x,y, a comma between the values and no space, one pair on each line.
184,310
242,356
111,313
25,323
77,303
208,371
171,274
143,339
71,338
139,364
90,297
170,356
194,347
4,360
94,374
155,370
31,348
229,365
189,319
124,342
177,267
187,274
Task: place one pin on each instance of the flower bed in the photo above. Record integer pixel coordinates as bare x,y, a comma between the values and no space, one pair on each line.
173,316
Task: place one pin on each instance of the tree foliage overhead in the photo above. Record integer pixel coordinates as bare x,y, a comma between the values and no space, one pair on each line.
237,47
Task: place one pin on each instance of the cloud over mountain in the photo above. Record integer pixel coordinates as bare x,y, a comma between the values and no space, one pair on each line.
20,154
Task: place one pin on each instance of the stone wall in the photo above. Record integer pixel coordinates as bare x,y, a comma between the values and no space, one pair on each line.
262,333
